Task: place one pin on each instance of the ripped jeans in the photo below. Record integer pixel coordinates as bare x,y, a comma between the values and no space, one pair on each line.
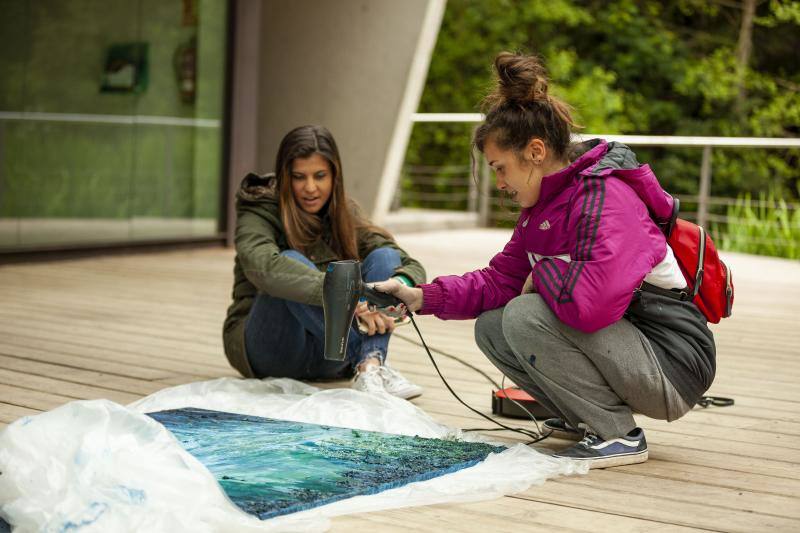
287,339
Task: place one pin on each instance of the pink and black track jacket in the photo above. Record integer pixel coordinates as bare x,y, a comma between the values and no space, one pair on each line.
589,242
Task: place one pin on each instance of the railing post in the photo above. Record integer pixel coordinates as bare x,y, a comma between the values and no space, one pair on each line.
705,187
484,210
472,194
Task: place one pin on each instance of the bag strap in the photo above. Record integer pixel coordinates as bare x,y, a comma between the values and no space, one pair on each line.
676,294
667,226
701,257
728,290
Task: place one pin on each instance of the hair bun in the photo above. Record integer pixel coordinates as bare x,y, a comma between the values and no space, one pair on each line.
521,79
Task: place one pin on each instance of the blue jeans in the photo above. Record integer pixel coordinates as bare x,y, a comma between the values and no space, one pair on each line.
287,339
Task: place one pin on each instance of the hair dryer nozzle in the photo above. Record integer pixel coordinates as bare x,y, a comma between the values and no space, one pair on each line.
341,290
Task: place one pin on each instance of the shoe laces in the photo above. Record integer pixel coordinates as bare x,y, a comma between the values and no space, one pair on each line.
390,373
370,380
589,439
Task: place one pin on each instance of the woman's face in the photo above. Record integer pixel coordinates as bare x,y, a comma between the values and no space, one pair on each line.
522,180
312,182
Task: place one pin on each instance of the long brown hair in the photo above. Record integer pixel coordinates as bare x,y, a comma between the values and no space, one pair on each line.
305,229
520,108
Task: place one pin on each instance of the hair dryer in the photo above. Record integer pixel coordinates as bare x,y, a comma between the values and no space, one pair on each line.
341,291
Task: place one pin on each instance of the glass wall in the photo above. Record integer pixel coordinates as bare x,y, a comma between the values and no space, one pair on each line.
110,120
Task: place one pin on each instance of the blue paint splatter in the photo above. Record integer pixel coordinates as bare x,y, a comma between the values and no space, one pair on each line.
273,467
95,511
131,495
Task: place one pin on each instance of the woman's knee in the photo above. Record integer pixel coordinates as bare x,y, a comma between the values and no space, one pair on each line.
488,327
384,253
524,324
298,256
380,264
524,313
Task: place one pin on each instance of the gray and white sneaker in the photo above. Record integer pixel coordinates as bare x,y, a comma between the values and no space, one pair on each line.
396,385
370,381
599,453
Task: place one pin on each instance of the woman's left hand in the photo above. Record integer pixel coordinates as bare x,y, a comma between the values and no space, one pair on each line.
528,287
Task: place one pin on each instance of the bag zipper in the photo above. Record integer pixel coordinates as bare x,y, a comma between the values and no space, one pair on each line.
728,291
701,256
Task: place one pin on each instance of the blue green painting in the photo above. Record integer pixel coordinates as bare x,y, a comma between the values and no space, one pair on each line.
271,467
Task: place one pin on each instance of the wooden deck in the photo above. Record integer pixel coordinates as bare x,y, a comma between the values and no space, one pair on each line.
122,327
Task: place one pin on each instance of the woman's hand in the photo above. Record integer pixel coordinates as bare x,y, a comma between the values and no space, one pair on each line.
410,296
528,287
374,321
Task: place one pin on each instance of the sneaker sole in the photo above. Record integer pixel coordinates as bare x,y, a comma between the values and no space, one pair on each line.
616,460
409,395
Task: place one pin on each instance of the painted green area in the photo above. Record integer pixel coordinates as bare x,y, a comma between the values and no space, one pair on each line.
272,467
52,55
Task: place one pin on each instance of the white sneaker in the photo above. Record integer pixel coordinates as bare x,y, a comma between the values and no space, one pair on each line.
369,381
395,384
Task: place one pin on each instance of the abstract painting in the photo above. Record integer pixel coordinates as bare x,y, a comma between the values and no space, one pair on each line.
271,467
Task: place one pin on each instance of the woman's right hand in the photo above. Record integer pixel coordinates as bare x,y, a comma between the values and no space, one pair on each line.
374,321
410,296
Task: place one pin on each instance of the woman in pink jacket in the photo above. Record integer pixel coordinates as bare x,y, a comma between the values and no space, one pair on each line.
563,309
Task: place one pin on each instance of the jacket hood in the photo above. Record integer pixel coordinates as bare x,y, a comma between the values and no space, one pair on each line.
619,161
255,188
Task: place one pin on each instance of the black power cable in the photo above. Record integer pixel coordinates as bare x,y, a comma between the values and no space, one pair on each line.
411,340
535,436
705,401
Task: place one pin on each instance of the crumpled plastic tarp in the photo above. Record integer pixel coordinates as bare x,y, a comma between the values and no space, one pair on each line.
98,466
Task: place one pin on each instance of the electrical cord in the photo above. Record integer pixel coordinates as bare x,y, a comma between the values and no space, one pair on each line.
521,406
450,356
716,401
535,436
489,378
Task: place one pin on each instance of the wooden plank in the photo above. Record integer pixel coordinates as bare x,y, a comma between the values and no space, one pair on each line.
71,360
10,412
482,516
78,375
664,507
134,324
100,351
690,490
206,354
39,400
65,388
719,477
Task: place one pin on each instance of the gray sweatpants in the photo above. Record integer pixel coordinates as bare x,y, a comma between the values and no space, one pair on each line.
597,380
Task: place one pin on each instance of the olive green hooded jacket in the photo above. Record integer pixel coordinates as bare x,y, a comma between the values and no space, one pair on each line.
259,267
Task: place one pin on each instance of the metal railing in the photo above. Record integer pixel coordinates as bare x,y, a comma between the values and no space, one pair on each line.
460,187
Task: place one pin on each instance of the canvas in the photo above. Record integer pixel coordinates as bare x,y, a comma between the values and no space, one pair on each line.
271,467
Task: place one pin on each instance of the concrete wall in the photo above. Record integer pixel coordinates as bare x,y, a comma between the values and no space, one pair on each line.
354,66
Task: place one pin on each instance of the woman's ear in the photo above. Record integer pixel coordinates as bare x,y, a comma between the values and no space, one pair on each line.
536,151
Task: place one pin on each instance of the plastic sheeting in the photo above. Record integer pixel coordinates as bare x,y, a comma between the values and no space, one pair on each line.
99,466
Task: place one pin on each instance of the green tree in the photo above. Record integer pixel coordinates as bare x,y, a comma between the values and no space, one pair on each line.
687,67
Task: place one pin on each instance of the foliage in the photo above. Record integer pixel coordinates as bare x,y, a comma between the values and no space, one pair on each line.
635,67
768,226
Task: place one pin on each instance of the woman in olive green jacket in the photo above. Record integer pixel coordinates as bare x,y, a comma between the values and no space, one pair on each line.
290,225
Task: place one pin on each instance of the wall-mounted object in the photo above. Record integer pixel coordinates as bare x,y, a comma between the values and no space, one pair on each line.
185,63
189,13
125,68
